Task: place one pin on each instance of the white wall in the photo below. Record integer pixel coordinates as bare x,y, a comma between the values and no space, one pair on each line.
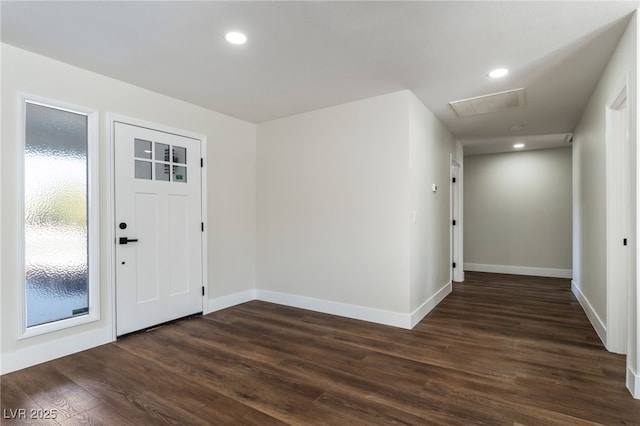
517,209
333,191
336,189
589,196
231,189
431,149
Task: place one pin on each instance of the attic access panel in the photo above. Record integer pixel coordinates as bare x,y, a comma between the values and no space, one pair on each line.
489,103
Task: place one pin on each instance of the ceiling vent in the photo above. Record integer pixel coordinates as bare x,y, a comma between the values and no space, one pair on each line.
489,103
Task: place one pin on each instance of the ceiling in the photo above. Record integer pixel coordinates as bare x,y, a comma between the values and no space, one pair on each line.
307,55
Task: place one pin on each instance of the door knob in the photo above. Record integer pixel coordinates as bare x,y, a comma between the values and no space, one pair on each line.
125,240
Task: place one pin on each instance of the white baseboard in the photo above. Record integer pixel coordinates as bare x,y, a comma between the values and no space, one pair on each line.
30,355
379,316
230,300
36,354
595,320
429,304
633,383
363,313
519,270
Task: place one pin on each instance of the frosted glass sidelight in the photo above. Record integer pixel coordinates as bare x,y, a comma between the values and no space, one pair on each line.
55,201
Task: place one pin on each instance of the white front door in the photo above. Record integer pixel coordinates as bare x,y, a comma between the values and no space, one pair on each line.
158,227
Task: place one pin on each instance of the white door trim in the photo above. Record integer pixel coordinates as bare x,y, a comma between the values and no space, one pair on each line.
617,223
111,119
456,204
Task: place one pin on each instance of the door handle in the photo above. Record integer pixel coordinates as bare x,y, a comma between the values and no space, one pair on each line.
125,240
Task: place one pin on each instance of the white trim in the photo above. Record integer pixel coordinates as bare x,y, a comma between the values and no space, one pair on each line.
155,126
363,313
111,214
620,94
39,353
230,300
429,304
633,383
93,217
456,238
519,270
203,215
618,191
595,320
112,118
21,322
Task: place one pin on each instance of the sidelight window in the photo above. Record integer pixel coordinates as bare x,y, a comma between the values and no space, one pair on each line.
60,251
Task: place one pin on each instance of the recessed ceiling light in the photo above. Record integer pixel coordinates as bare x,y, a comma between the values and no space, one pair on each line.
235,37
518,145
497,73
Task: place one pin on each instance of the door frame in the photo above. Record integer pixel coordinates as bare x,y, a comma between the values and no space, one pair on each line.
456,212
111,119
618,222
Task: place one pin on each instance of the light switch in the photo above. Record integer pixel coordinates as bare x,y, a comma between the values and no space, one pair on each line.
435,188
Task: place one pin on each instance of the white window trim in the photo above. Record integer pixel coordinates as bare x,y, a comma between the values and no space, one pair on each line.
93,228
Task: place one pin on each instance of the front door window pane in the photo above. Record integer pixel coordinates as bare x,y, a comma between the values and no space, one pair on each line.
142,149
162,172
179,174
179,155
143,169
162,152
56,236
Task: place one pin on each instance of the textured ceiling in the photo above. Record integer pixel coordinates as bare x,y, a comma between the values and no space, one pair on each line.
307,55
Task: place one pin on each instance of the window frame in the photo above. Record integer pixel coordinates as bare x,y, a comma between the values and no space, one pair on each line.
93,217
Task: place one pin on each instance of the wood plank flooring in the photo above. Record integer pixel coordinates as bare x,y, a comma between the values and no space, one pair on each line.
500,350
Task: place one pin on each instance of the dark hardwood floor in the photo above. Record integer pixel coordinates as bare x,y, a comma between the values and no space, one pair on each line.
500,350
